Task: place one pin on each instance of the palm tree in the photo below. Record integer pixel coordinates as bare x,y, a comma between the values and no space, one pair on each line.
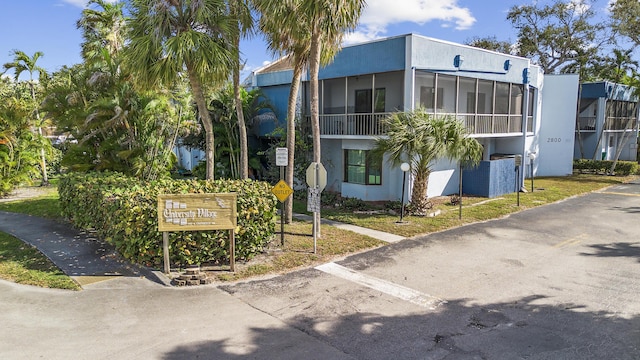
328,21
169,37
421,139
21,63
240,12
292,42
311,31
102,28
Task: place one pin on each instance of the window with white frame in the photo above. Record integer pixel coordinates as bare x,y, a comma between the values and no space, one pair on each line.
362,168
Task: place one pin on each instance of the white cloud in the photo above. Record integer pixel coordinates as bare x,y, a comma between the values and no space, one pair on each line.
378,14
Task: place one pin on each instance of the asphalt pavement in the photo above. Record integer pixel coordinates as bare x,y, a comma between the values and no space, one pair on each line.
506,289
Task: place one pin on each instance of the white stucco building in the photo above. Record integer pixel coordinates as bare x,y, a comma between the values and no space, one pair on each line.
506,103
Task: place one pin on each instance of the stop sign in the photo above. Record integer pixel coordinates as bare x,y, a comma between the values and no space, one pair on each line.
318,177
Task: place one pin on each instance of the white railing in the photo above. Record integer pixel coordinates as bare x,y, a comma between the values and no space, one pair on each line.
587,123
620,123
494,124
352,124
371,124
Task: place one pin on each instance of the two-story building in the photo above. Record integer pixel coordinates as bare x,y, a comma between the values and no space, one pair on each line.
505,101
607,123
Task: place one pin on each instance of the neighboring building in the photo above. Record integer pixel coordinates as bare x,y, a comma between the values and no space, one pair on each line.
608,122
501,98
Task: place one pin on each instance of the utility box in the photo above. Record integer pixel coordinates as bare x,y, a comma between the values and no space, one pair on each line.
490,178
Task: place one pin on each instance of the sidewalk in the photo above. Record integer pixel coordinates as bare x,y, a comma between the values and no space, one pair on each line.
78,254
88,260
383,236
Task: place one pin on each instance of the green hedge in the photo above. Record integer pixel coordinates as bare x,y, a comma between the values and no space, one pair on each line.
604,166
123,211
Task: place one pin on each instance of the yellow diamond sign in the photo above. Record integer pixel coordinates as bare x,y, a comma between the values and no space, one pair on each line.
282,191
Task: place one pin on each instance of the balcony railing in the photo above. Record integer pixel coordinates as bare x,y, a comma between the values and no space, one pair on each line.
587,123
620,123
371,124
352,124
493,124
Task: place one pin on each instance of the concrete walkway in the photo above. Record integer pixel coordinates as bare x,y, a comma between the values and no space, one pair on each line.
383,236
78,254
88,260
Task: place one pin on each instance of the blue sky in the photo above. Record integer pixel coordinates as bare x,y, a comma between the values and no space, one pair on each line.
50,26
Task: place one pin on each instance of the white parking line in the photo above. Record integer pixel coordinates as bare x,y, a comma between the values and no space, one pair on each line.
389,288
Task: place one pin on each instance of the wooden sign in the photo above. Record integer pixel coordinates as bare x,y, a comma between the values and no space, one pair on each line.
193,212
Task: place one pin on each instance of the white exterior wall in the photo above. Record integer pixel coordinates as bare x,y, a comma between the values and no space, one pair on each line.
556,137
188,158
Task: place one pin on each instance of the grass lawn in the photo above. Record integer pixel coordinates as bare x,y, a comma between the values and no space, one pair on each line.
546,191
298,249
24,264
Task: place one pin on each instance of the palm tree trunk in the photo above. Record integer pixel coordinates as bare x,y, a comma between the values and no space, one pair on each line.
419,200
291,135
314,67
244,149
205,118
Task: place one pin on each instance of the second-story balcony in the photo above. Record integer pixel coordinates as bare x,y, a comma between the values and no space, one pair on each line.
371,125
589,123
620,123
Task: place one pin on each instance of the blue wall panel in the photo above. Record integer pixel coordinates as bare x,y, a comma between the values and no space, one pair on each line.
490,178
373,57
278,96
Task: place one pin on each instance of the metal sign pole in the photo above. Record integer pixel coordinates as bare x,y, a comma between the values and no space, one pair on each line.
518,183
282,211
165,251
317,183
460,195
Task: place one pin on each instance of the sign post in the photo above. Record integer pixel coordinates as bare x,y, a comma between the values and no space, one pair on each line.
518,160
317,180
196,212
284,190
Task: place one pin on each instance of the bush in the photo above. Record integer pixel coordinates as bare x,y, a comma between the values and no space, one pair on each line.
604,166
123,211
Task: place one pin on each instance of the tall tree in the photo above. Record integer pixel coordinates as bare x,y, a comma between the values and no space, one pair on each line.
625,16
290,41
18,146
103,27
619,66
169,37
491,43
556,35
421,139
240,12
326,22
21,63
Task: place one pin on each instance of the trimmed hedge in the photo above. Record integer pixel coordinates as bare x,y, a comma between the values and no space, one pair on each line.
604,166
123,211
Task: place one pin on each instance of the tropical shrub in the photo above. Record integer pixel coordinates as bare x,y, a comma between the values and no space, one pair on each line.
604,166
123,211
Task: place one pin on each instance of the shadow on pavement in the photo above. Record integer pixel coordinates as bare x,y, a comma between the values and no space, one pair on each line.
518,329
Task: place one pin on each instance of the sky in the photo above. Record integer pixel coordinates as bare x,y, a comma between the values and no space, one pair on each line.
50,26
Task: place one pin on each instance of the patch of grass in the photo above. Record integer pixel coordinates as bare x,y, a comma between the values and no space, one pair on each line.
546,190
298,250
24,264
45,204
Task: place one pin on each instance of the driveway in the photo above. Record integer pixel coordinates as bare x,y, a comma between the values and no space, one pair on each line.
554,282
